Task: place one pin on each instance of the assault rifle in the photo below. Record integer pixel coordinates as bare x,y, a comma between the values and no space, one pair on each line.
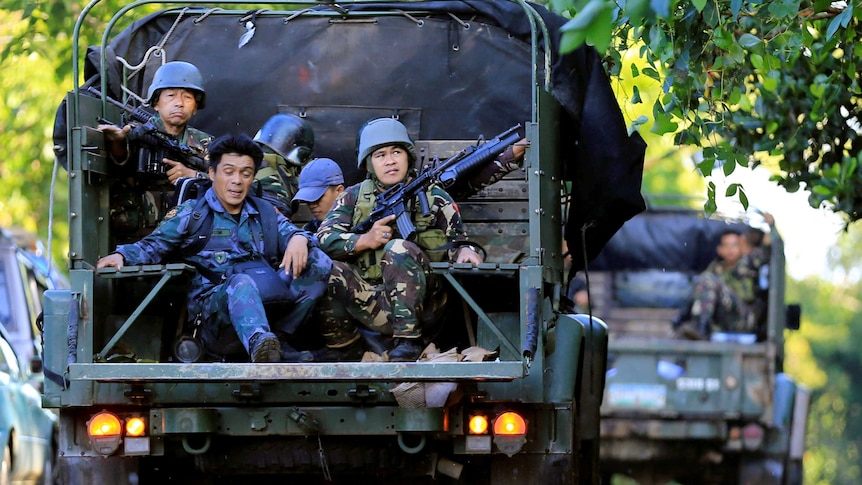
395,199
155,144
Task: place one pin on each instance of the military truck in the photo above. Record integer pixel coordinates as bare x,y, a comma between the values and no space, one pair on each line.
693,411
454,73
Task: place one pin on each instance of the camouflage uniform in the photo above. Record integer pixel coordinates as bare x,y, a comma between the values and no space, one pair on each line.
489,174
392,293
193,138
312,226
234,302
277,182
133,210
725,297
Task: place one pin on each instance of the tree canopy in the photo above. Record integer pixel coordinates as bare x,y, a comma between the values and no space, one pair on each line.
770,82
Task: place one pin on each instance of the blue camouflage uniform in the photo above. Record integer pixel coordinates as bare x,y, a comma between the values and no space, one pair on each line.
234,302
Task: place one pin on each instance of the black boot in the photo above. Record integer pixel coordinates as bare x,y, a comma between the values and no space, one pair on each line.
375,341
289,354
349,353
264,347
406,350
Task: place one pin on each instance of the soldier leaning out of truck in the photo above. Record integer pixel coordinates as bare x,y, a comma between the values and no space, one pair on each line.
378,277
176,93
228,302
730,295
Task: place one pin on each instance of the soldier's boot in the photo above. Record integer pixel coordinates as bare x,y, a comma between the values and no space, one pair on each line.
406,350
289,354
351,352
376,341
264,347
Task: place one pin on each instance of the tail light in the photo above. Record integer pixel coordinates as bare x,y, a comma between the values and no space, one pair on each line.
107,430
510,424
752,436
478,424
510,432
135,426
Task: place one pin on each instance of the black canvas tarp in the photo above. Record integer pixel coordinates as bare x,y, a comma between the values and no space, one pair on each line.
442,80
666,240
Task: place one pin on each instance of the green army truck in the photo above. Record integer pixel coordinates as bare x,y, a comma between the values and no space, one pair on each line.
693,411
452,73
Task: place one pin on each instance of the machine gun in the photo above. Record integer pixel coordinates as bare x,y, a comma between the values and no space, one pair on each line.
394,200
155,144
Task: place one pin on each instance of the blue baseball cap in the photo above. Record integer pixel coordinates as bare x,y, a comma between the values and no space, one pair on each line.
316,177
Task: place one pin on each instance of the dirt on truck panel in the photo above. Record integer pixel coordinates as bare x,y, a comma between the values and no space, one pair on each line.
455,74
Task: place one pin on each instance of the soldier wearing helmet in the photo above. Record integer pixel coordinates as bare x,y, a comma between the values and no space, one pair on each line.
287,141
176,93
379,278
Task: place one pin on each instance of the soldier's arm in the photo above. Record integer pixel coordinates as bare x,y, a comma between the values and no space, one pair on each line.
334,234
166,238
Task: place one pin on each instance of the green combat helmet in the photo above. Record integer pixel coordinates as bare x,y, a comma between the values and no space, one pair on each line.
178,74
382,132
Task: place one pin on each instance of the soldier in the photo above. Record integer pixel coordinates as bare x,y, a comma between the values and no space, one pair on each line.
235,237
176,93
320,183
287,141
379,278
724,297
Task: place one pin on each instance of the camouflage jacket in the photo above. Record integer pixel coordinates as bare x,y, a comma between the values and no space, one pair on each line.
231,242
278,181
195,139
337,240
742,277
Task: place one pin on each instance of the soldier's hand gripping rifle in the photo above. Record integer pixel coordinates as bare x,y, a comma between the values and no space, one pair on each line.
395,199
158,144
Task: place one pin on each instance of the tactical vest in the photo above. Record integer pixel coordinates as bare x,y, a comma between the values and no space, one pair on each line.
427,237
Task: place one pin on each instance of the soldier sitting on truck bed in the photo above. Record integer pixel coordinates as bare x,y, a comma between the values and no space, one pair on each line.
320,183
378,277
725,295
230,304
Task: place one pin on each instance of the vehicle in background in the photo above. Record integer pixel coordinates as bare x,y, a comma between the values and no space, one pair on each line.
451,72
28,433
25,273
707,412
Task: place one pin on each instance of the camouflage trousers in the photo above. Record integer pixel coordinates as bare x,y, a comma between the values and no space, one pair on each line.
234,312
715,302
392,306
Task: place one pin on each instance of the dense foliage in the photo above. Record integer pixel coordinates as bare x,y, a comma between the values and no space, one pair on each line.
748,82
